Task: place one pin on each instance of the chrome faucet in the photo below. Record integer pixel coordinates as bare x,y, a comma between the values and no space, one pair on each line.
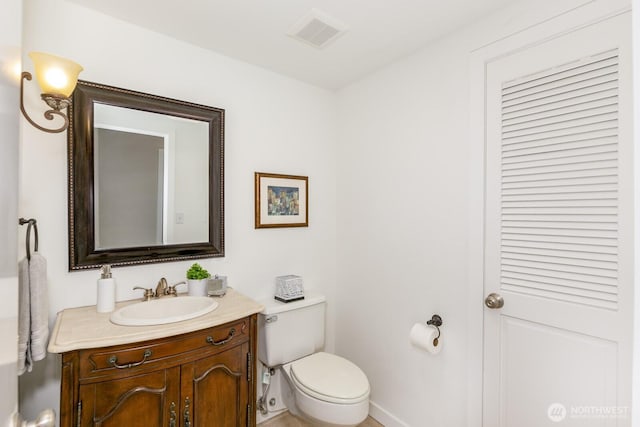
148,293
162,290
171,290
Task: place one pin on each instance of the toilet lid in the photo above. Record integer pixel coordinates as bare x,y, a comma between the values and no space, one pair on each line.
330,378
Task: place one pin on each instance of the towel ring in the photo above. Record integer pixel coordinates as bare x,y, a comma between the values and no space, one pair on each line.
32,223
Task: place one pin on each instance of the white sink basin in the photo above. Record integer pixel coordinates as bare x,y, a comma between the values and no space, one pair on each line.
164,310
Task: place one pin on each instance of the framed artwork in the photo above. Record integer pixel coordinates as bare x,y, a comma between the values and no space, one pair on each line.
281,200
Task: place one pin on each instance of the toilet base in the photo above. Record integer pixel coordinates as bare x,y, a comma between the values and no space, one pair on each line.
319,413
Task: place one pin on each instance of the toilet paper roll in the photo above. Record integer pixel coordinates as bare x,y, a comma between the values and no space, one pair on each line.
422,336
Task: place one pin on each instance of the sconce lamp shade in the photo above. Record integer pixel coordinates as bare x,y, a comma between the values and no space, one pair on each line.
56,76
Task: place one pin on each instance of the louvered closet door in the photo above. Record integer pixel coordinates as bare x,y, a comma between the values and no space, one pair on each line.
558,231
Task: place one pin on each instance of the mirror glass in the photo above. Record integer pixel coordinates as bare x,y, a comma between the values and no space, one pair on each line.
138,158
146,178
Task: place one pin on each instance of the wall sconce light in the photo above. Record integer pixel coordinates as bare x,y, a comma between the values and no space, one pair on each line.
57,78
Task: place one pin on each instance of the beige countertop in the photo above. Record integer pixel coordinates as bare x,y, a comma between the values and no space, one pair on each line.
83,327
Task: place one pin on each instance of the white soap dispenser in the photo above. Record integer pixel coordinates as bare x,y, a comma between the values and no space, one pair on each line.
106,291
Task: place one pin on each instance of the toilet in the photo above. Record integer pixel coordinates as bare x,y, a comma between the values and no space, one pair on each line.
325,389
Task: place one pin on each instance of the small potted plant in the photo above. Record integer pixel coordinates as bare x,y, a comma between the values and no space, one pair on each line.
197,278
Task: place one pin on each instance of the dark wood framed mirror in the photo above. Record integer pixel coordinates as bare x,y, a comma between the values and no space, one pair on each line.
146,178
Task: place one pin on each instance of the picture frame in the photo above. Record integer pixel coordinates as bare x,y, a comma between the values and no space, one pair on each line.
281,200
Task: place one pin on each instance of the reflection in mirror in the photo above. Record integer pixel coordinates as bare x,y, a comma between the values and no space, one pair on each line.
138,166
146,178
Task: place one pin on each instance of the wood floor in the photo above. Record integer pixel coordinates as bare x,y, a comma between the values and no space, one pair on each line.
288,420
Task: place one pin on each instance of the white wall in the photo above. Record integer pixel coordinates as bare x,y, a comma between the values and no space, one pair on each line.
404,194
9,115
10,40
404,242
635,408
273,124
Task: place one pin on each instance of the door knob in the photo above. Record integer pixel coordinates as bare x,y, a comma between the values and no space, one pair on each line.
494,301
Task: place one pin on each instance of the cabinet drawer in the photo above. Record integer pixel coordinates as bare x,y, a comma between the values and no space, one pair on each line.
162,353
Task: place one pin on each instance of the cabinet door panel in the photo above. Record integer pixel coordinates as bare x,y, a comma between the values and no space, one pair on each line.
139,401
218,388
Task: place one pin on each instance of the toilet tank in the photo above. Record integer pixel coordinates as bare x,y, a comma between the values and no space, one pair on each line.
289,331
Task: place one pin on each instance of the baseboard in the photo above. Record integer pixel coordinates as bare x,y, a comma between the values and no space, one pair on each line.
384,417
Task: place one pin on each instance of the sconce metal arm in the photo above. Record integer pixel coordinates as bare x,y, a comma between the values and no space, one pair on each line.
55,102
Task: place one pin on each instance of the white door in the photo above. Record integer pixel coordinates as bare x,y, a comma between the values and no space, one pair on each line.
558,232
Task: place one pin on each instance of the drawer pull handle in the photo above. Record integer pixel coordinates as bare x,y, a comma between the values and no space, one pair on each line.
113,361
229,337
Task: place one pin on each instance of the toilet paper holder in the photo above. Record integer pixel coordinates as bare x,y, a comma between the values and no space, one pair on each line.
435,321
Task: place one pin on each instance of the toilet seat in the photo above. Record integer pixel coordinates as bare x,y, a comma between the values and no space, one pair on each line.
330,378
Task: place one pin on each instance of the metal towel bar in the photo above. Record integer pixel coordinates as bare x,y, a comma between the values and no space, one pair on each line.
32,223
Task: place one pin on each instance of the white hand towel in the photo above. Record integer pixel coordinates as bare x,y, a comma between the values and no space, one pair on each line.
24,316
33,317
39,306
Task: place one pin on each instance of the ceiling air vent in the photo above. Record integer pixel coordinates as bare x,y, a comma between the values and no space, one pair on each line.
317,29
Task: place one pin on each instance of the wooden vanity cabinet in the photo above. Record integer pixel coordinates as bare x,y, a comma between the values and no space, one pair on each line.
199,379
